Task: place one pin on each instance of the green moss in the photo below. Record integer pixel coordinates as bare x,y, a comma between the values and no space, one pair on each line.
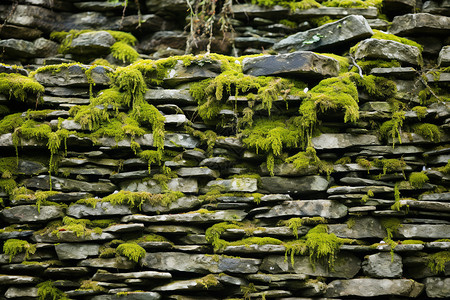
92,286
390,165
48,291
397,205
151,238
412,242
392,128
207,138
429,131
421,111
213,233
353,3
437,261
7,185
124,52
12,247
208,281
152,157
386,36
344,64
307,158
107,252
367,196
445,169
343,160
368,65
123,37
295,223
20,87
132,251
418,179
10,122
288,23
391,226
8,166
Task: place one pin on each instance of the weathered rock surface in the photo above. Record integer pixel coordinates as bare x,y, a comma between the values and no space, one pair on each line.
343,140
300,63
299,185
195,217
28,213
76,251
323,208
75,75
444,57
383,265
101,209
437,287
366,227
129,296
181,204
107,276
344,31
420,23
68,185
234,185
419,231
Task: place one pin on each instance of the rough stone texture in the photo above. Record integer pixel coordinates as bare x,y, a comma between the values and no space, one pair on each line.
344,31
18,47
101,209
199,263
343,140
383,265
300,185
194,217
76,251
437,287
418,231
368,287
22,292
235,185
68,185
27,213
301,63
323,208
362,228
388,50
107,276
444,57
74,76
420,23
181,204
129,296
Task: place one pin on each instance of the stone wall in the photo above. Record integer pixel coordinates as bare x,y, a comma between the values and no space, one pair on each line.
292,175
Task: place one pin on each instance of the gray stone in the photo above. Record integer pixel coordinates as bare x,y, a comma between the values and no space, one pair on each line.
187,285
18,48
184,185
17,280
334,12
366,227
177,120
328,141
129,175
29,167
76,251
397,72
359,189
67,272
181,204
427,205
101,209
383,265
437,287
22,292
194,72
418,231
368,287
388,50
300,63
88,170
31,214
306,208
253,248
170,6
19,32
132,295
218,163
243,184
378,106
33,16
444,57
191,217
435,197
149,186
74,75
119,262
268,278
328,36
124,228
420,23
70,125
50,100
99,6
68,185
202,172
298,185
243,11
71,237
45,48
179,97
346,266
200,263
107,276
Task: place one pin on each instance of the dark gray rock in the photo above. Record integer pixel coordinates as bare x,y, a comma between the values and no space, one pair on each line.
99,6
307,208
437,287
181,73
123,228
71,237
45,48
300,185
328,36
368,287
343,140
190,217
419,231
200,263
427,205
383,265
101,209
216,163
11,280
33,16
420,23
334,12
22,292
187,285
435,197
179,97
346,266
202,172
366,227
107,276
243,11
388,50
92,43
119,262
303,63
28,167
18,48
181,204
444,57
76,251
129,296
74,75
31,214
19,32
243,184
170,6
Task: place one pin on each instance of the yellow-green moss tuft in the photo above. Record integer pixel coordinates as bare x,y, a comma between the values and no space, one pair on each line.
437,261
48,291
132,251
418,179
124,52
429,131
12,247
19,87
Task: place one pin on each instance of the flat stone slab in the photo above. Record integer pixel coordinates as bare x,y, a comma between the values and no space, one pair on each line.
383,265
75,75
388,50
200,263
253,248
366,227
187,285
331,35
328,141
299,208
22,292
437,287
92,43
420,23
76,251
202,172
179,97
268,278
346,265
68,185
397,72
248,185
129,296
71,237
121,263
31,214
418,231
334,12
359,189
101,209
300,63
435,197
427,205
243,11
181,204
191,217
107,276
17,280
444,57
298,185
368,287
194,72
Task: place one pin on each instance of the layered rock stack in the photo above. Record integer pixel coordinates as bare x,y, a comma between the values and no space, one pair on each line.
317,168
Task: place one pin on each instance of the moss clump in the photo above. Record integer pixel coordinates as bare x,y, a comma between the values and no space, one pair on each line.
386,36
288,23
309,157
390,165
48,291
132,251
418,179
368,65
7,185
421,111
392,128
429,131
124,52
151,238
353,3
91,285
437,261
19,87
80,227
367,196
12,247
213,233
11,122
208,281
445,169
344,64
295,223
8,167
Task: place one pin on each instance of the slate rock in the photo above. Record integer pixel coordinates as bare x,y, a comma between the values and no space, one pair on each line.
76,251
366,227
68,185
199,263
215,163
129,296
243,184
92,43
383,265
300,63
194,72
29,167
71,237
30,214
202,172
328,36
18,48
179,97
420,23
289,170
184,185
243,11
99,6
169,6
45,48
437,287
190,217
101,209
11,280
34,16
388,50
334,12
444,57
328,141
19,32
181,204
298,185
346,265
435,197
419,231
22,292
149,186
121,263
75,75
307,208
369,287
427,205
107,276
187,285
124,228
66,272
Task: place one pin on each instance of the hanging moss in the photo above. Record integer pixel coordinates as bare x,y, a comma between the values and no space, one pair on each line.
392,128
7,185
390,165
48,291
20,87
124,52
429,131
418,179
208,281
295,223
437,261
132,251
421,111
304,159
12,247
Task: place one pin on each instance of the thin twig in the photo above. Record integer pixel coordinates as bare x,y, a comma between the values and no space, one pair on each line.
356,65
422,79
